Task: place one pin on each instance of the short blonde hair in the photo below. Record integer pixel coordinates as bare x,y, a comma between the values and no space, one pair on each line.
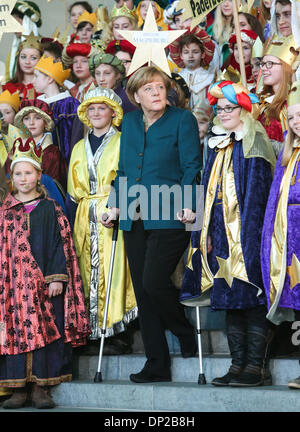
143,76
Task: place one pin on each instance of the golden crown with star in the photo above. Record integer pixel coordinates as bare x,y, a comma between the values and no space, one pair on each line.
31,41
123,11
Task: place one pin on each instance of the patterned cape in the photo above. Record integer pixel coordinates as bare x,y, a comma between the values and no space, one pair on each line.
27,319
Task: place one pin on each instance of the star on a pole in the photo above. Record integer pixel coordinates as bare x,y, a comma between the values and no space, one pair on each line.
150,44
7,22
224,270
294,272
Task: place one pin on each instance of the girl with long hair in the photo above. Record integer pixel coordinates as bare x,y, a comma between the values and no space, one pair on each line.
280,252
29,53
277,73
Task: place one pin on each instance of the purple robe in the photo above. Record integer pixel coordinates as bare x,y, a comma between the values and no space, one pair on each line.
290,298
65,135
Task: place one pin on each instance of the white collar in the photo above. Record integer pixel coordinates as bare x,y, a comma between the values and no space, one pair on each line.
54,98
222,137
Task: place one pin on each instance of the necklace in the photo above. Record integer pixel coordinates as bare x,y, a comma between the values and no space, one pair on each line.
34,199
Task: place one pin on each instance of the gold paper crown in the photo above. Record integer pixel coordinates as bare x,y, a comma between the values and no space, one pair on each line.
257,48
294,94
11,99
27,151
31,41
13,134
123,11
284,49
229,74
56,71
248,8
102,17
87,17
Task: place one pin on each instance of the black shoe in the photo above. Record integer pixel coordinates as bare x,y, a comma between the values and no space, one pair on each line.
250,377
234,372
147,377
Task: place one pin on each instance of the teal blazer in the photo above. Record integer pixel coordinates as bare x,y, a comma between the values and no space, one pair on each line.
157,169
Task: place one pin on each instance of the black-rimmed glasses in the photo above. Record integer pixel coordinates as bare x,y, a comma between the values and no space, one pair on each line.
268,64
227,109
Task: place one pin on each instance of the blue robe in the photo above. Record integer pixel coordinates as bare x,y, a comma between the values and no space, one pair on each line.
253,179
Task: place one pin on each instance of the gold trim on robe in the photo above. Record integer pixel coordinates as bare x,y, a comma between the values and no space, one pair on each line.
93,242
234,266
278,264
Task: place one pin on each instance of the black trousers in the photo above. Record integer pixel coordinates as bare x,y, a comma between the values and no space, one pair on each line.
153,256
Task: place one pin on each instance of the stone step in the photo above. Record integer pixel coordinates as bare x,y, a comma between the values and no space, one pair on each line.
174,397
183,370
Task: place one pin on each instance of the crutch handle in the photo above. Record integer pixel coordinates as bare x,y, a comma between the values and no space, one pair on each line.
116,226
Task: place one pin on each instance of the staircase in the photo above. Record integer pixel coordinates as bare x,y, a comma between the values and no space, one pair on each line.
183,394
117,394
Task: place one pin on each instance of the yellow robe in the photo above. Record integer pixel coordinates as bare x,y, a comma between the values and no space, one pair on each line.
94,252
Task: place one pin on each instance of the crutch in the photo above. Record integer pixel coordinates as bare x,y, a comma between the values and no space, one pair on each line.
201,378
98,376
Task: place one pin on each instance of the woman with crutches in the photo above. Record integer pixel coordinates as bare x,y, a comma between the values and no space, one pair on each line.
159,148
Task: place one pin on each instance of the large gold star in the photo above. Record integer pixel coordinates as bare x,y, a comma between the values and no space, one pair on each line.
150,44
294,272
224,270
7,23
196,9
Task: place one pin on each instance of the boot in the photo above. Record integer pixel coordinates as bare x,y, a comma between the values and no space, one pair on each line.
17,400
252,375
41,398
233,372
266,373
237,342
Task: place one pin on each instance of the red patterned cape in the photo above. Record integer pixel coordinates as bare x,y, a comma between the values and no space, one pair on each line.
27,319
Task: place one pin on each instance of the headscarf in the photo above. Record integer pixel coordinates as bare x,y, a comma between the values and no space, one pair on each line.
234,93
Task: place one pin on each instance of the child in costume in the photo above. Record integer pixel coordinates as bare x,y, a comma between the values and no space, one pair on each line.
158,9
222,28
280,253
76,56
93,166
276,67
42,303
124,50
29,53
36,117
86,26
49,78
9,105
120,19
194,52
28,14
248,38
224,262
109,72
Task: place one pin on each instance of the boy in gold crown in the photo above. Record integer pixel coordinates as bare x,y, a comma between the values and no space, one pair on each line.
42,304
49,77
